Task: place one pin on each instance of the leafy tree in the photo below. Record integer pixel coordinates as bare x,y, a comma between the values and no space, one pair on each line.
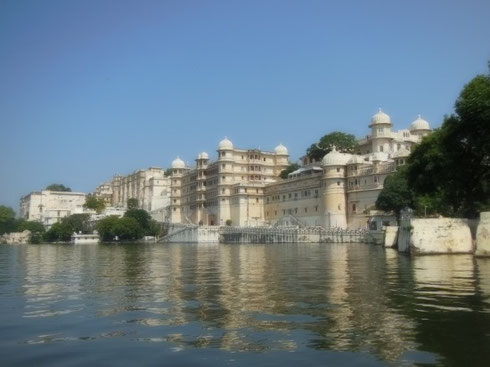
343,142
78,222
34,227
125,228
291,168
58,187
63,230
132,203
7,219
106,226
148,226
453,164
396,193
37,229
58,232
95,203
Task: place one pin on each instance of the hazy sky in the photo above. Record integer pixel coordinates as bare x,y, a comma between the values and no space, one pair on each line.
91,88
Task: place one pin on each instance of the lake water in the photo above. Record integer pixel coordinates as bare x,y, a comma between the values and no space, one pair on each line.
241,305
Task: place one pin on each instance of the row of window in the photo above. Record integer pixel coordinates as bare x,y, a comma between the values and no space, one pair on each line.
293,211
295,196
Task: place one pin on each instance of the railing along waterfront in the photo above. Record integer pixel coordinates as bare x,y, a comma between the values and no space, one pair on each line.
297,234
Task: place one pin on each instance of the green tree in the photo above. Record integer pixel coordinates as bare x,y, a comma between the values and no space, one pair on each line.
396,193
148,226
343,142
291,168
106,227
132,203
37,229
95,203
58,187
63,230
7,219
453,164
58,232
125,228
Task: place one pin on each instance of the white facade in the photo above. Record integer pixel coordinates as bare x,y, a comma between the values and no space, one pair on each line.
48,207
149,186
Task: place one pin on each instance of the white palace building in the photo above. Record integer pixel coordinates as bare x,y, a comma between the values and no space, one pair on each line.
243,188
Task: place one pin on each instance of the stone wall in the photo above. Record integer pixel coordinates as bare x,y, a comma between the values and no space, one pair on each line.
193,234
435,236
391,236
483,235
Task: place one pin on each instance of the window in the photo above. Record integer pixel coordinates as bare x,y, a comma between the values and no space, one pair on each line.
338,169
306,210
353,208
338,183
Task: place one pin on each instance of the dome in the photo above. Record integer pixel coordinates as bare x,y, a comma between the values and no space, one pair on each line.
380,118
178,163
335,158
401,153
225,144
203,155
419,124
281,150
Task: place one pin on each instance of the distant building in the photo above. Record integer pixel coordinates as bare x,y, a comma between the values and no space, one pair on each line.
48,207
149,186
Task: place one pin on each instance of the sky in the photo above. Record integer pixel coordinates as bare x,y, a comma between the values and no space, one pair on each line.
92,88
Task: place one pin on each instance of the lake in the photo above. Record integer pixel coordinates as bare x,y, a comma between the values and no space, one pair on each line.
241,305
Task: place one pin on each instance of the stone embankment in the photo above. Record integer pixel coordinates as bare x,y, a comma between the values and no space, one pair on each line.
192,234
483,235
441,236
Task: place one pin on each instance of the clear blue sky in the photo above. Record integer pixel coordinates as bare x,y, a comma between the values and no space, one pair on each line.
91,88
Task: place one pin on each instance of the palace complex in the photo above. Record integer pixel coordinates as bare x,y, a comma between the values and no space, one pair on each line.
242,187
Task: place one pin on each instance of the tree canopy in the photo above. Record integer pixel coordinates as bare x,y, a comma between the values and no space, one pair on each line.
449,171
130,227
95,203
453,164
63,230
396,193
343,142
7,219
132,203
58,187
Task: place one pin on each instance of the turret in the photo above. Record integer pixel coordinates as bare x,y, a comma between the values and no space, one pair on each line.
334,188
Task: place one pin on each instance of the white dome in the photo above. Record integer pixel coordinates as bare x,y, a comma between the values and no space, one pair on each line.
203,155
335,158
419,124
281,150
380,118
178,163
225,144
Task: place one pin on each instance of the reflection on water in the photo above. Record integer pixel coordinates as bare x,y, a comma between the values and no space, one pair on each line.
323,299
